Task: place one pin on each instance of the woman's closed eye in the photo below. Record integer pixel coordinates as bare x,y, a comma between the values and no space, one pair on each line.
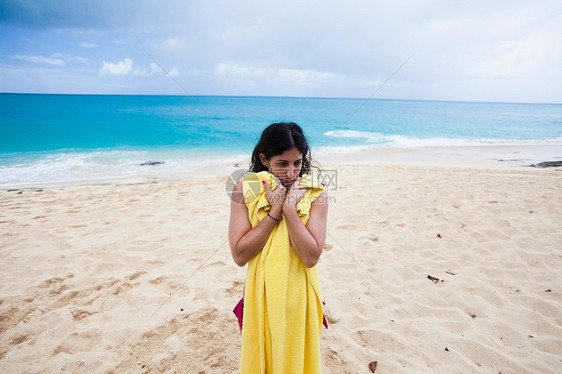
285,163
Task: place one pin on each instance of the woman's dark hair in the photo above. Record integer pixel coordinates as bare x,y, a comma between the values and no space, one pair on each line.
278,138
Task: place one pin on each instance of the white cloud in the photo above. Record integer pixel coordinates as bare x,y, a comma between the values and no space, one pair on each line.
55,59
88,45
139,71
127,67
284,76
240,71
80,59
174,72
529,57
39,60
306,76
152,70
171,44
120,68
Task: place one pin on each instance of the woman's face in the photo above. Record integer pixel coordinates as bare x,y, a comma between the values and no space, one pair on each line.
286,166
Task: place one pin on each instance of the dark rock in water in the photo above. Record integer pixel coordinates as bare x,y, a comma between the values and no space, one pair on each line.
547,164
150,163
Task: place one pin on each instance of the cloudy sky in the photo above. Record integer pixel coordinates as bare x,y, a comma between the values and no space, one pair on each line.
463,50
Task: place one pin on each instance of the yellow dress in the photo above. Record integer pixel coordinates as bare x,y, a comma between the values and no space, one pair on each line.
282,301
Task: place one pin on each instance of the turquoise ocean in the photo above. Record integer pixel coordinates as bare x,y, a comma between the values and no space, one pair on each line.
59,138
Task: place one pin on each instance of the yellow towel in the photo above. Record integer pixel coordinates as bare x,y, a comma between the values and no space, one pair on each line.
282,301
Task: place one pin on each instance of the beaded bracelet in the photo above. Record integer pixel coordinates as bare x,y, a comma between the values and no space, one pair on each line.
270,216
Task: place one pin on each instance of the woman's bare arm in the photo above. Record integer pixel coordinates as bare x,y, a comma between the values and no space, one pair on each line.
246,242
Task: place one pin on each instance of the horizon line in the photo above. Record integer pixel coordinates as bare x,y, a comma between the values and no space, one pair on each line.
284,97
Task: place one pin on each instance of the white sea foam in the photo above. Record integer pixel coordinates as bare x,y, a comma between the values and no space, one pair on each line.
327,149
378,140
113,164
98,165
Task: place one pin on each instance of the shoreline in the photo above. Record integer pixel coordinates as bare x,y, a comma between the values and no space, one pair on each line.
481,157
492,156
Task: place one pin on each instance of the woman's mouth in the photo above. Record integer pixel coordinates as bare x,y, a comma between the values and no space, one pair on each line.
288,183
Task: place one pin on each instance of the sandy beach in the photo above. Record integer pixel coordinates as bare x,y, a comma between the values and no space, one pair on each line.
138,277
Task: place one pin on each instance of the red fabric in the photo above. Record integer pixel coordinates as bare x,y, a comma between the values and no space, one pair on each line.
239,313
324,321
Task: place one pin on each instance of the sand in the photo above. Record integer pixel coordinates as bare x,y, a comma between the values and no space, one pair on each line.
138,278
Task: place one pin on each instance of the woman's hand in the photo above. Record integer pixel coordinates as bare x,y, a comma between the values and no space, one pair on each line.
275,197
294,195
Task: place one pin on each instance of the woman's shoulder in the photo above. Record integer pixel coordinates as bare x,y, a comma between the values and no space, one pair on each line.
322,199
237,195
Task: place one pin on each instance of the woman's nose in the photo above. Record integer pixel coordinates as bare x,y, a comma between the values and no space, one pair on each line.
291,172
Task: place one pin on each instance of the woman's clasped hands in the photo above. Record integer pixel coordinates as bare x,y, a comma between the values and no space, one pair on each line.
284,200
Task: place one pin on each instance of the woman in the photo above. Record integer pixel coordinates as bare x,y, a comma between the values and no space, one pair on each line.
278,227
